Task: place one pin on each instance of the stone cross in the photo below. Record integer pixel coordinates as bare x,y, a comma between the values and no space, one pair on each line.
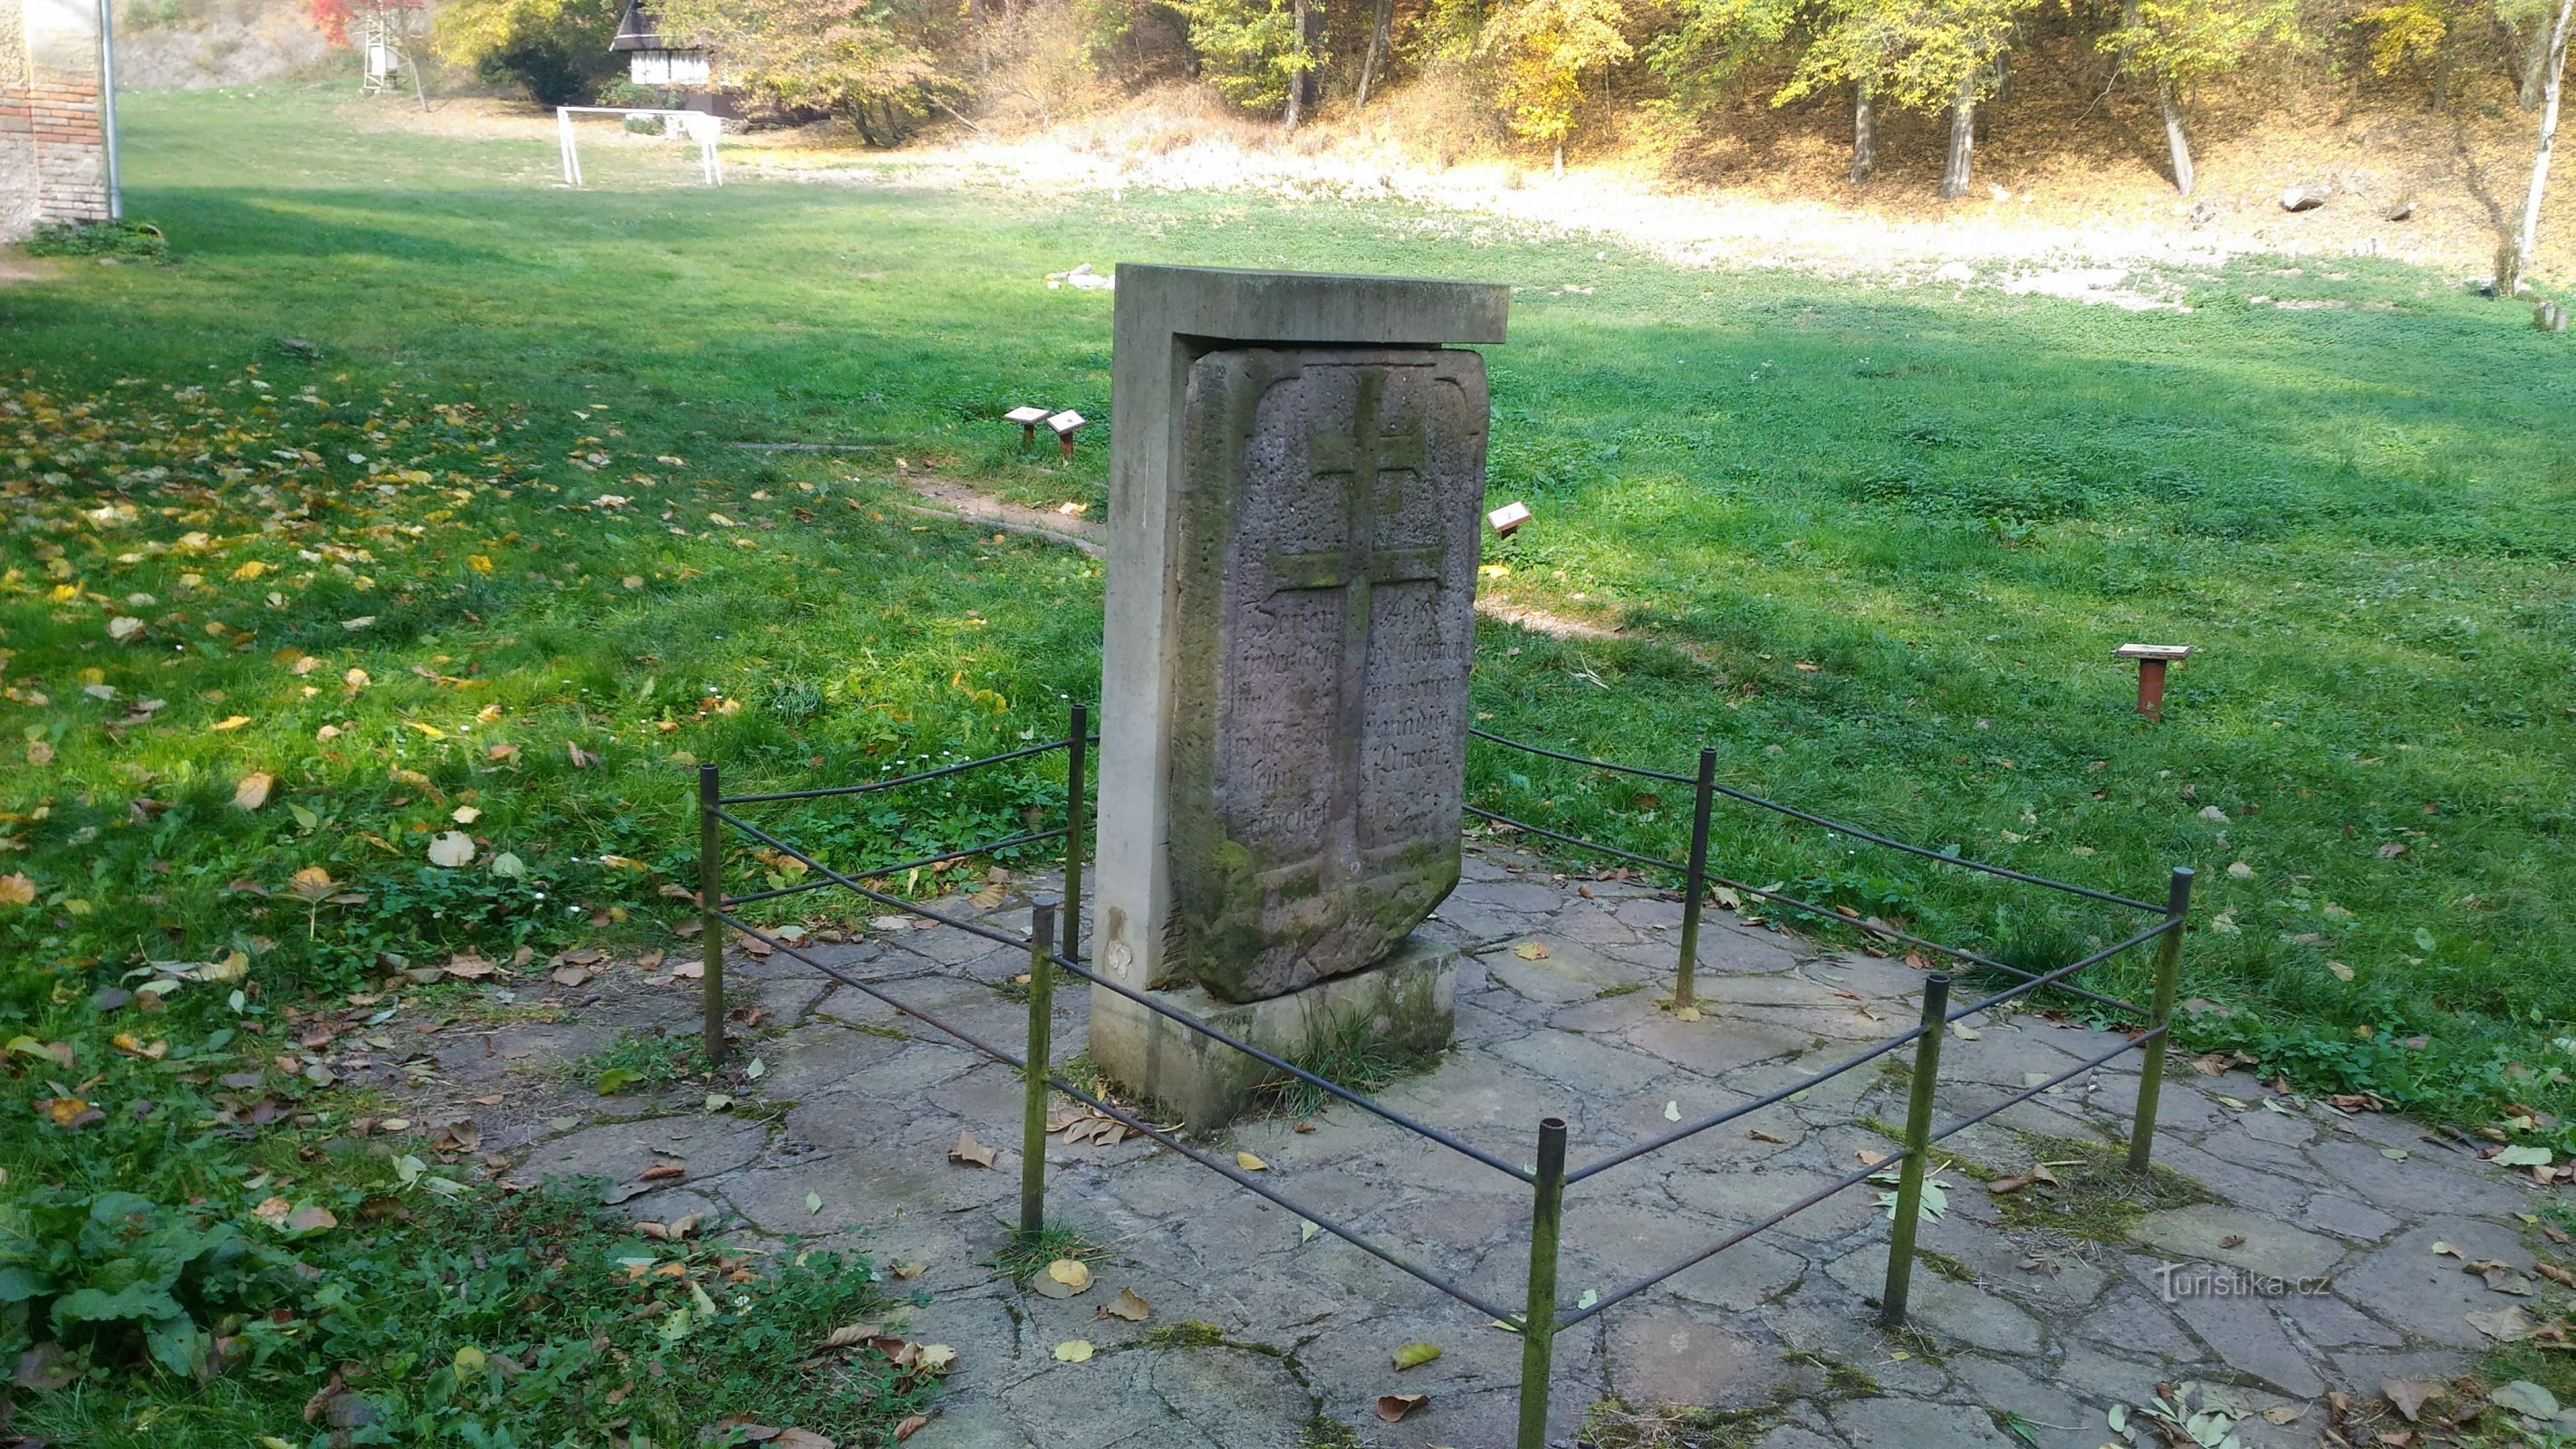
1296,476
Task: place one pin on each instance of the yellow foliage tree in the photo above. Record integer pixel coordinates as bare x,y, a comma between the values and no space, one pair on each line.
1541,51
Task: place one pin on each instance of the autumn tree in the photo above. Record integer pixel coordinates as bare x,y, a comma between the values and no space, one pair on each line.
873,64
1259,54
1711,43
1920,54
2175,45
2516,256
1541,51
558,49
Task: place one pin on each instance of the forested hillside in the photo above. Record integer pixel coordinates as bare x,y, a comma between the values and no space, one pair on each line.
1820,95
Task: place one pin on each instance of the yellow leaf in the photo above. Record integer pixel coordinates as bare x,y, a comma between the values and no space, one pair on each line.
465,815
1530,951
433,731
17,890
1073,1350
480,563
250,570
253,790
1250,1163
233,723
1415,1355
469,1362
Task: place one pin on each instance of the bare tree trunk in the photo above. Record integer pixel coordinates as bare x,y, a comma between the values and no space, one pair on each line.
2535,68
1376,46
1297,78
1864,134
2516,260
2177,140
2442,58
1963,139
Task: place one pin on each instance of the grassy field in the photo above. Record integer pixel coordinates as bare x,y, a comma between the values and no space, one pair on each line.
407,490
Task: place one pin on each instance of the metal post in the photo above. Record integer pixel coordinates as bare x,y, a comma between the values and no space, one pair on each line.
107,107
1697,886
1538,1314
1033,1118
2151,1072
710,904
1918,1148
1077,750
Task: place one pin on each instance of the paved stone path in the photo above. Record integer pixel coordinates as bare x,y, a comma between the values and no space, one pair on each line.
1262,1336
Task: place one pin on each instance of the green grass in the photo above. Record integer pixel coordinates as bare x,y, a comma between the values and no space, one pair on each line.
1951,506
637,1061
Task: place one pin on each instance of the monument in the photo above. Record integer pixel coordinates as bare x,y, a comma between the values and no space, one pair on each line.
1296,478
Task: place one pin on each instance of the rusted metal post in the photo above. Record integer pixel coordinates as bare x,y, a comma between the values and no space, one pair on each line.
2152,659
1033,1115
1077,749
1696,887
1538,1313
1918,1150
710,908
2160,1008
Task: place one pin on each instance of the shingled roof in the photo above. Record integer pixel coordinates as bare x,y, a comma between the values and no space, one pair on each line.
640,30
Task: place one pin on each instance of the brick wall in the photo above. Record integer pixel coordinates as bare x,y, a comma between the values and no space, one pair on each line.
53,153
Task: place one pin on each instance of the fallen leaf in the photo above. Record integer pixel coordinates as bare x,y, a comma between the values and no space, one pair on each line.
17,890
253,790
2526,1398
2504,1325
1393,1407
1415,1355
910,1426
1530,951
813,1203
1758,1135
311,1218
1672,1111
2408,1396
800,1439
906,1272
1073,1350
1129,1305
451,849
969,1151
1250,1163
1063,1278
229,723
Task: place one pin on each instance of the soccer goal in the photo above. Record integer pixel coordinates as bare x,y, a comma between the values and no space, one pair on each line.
696,126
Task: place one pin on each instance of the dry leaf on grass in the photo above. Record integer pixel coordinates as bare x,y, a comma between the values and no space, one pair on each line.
2408,1396
910,1426
799,1439
253,790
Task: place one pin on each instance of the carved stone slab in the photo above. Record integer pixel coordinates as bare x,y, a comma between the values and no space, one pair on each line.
1326,524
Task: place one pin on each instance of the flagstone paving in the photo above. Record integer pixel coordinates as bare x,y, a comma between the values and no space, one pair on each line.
1262,1334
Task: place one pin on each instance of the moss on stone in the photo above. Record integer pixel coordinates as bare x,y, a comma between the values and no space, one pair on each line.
1188,1333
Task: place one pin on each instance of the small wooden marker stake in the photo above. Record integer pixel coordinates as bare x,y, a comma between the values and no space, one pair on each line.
2152,659
1028,419
1508,517
1064,424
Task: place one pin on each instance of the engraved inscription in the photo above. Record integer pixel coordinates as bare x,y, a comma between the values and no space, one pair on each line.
1327,605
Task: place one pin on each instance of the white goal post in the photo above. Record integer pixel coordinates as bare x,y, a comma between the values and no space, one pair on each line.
697,126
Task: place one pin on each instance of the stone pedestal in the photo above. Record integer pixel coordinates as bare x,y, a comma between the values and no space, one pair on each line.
1406,1004
1296,474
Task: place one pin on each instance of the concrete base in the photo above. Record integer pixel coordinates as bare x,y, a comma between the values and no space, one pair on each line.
1409,1002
